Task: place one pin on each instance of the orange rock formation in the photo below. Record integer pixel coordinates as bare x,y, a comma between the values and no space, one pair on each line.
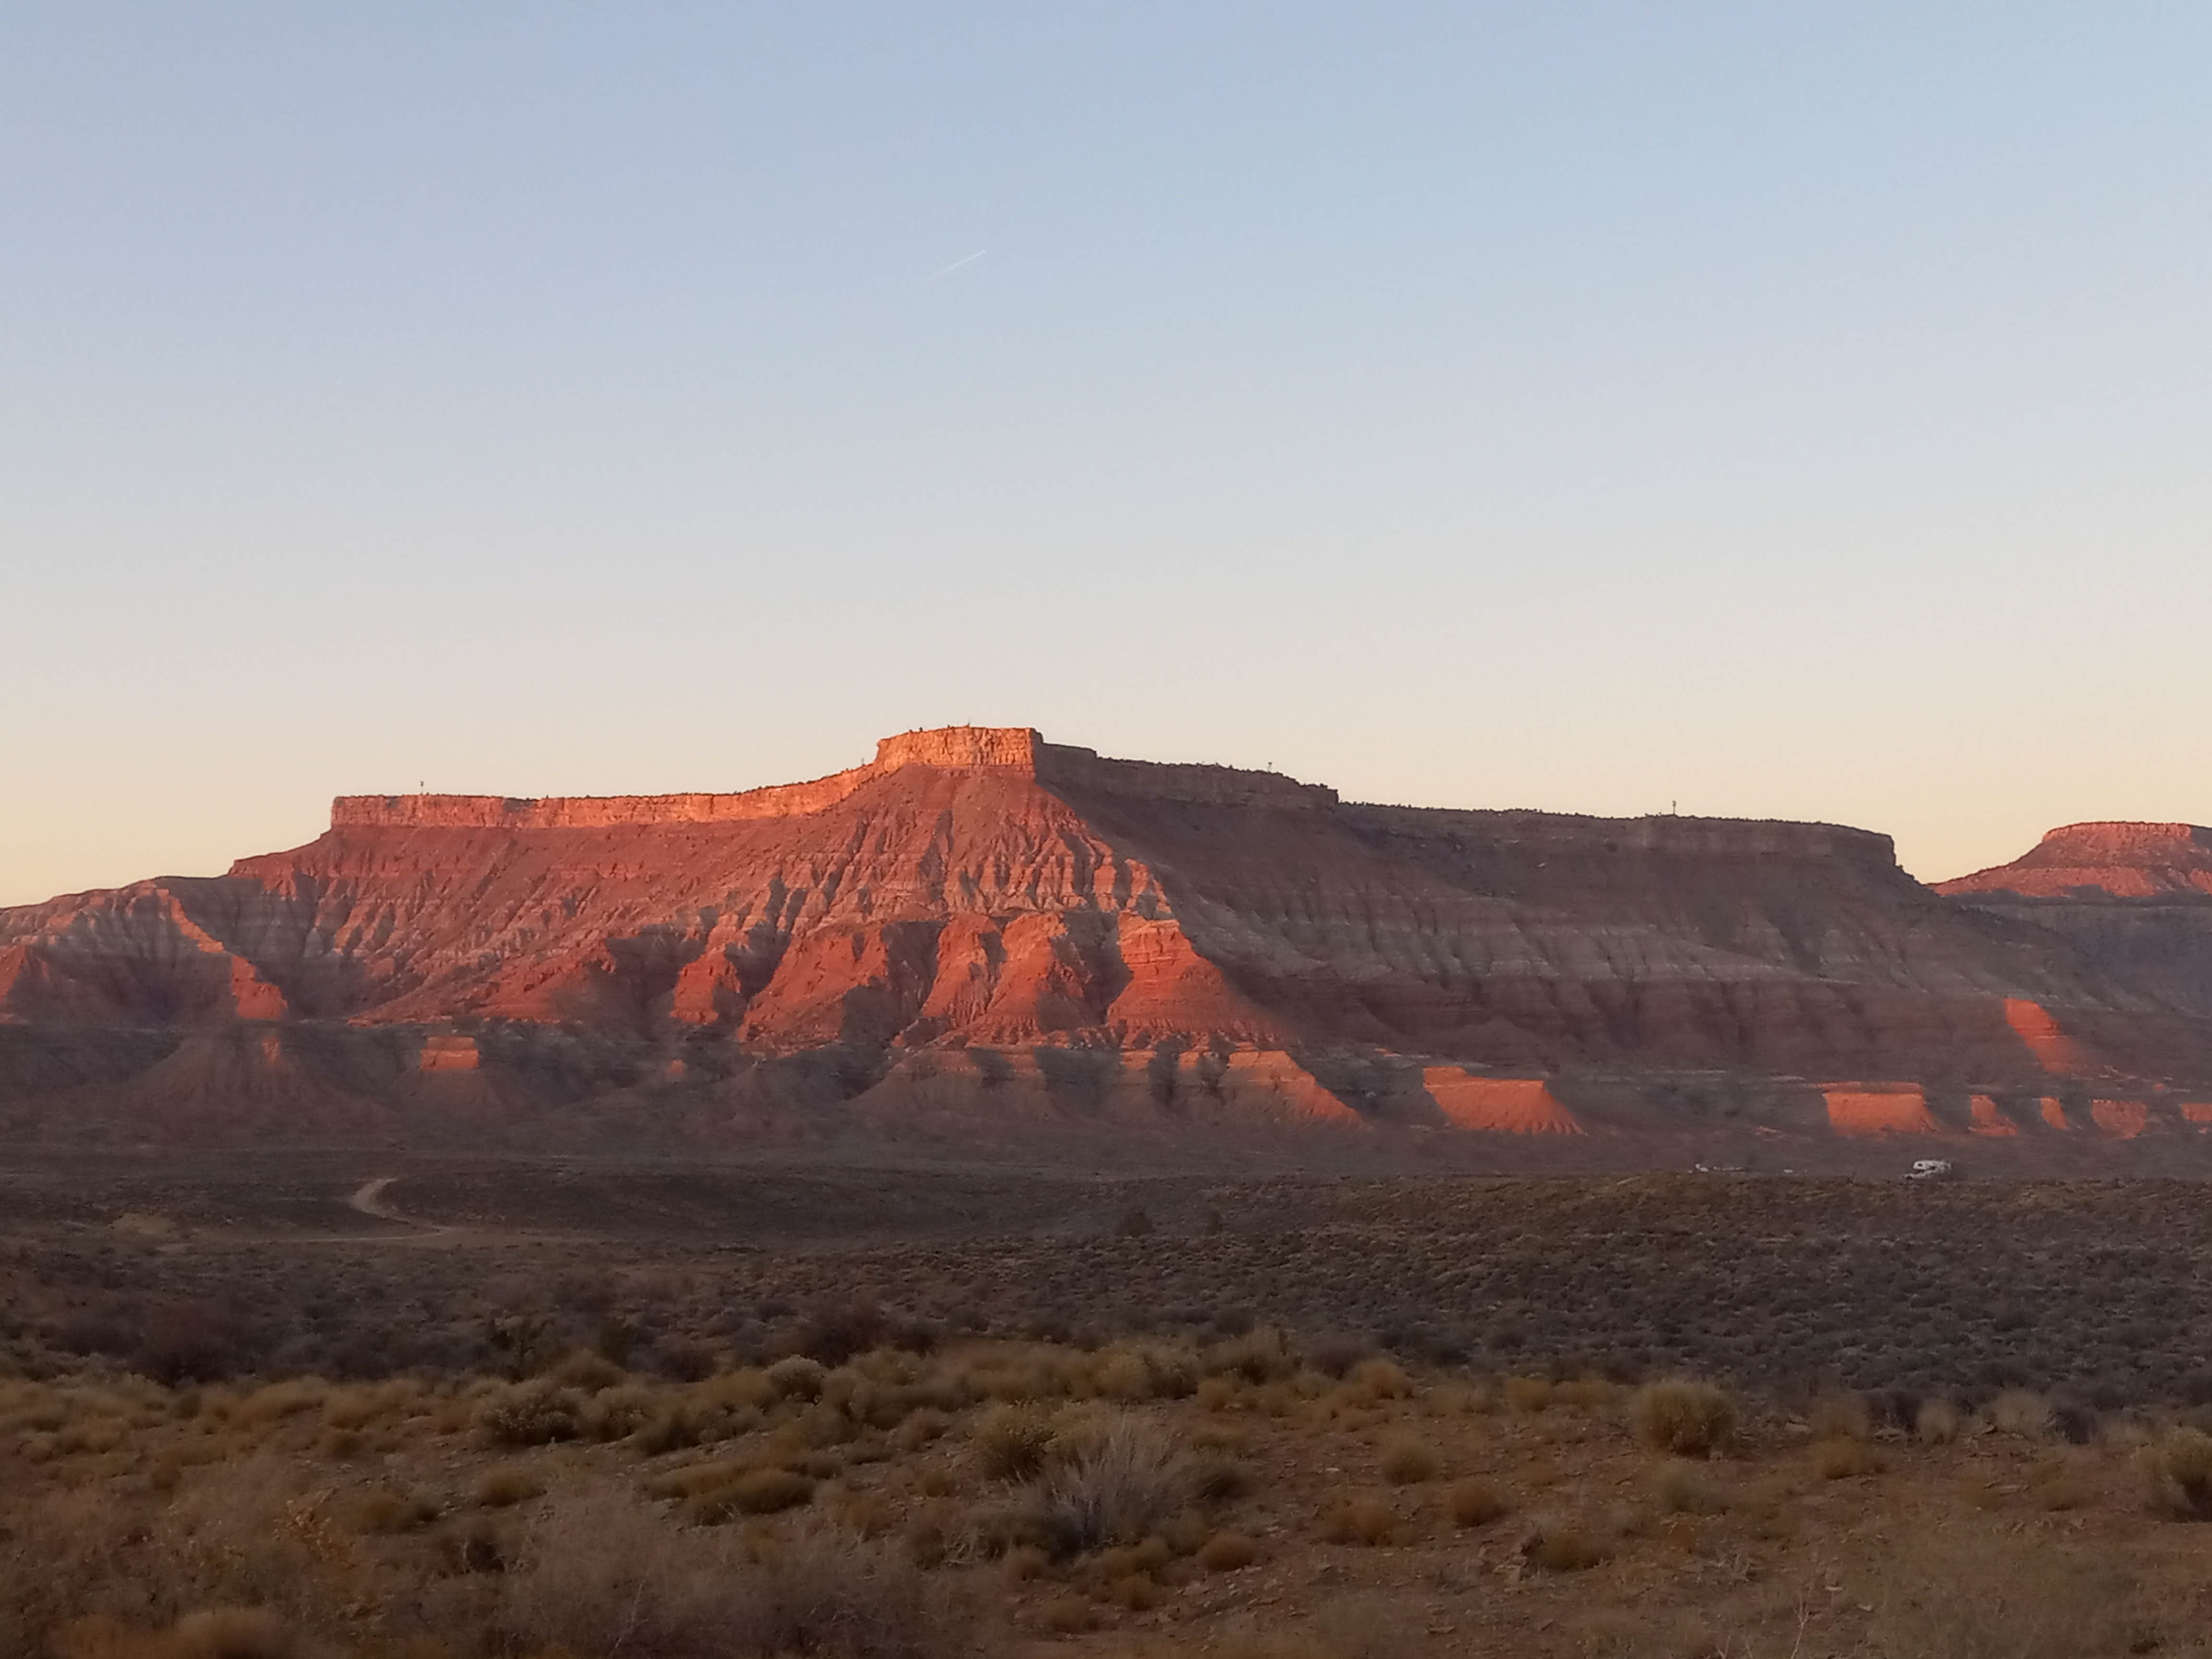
980,922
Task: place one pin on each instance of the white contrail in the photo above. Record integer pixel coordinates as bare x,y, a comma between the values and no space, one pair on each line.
956,263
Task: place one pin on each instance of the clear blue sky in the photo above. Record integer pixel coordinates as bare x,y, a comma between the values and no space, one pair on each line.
1789,411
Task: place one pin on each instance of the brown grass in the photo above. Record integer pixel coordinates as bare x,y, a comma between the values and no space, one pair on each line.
2177,1475
1688,1419
1406,1461
1227,1552
1362,1521
1474,1503
1009,1443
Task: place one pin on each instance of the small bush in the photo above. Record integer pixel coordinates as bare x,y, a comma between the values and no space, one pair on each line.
1366,1521
529,1414
1690,1419
1474,1503
756,1492
1936,1423
1840,1417
1527,1395
2176,1474
2021,1412
1227,1552
1116,1483
1407,1462
1258,1356
505,1485
1381,1379
1009,1443
385,1512
1559,1544
797,1376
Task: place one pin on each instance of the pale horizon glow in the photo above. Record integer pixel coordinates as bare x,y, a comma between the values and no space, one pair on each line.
1779,412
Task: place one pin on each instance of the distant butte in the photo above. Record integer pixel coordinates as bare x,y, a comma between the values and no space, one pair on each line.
980,933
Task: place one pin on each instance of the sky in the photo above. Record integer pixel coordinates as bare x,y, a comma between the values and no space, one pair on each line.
1780,411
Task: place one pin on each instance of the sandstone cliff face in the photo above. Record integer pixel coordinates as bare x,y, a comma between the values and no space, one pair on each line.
979,924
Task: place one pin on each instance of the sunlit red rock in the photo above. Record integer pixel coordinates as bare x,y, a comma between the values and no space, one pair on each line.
980,924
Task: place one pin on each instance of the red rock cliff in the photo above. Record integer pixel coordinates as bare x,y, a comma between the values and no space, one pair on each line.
1121,930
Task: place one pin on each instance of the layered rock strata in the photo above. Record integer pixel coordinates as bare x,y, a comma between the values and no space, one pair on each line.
981,927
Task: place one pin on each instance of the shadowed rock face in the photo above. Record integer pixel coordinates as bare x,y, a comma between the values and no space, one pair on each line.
981,926
2133,900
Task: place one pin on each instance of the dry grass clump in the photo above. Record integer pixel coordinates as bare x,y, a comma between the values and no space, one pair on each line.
599,1575
1362,1521
1406,1461
530,1414
1840,1417
1259,1356
1147,1370
2177,1474
1009,1443
1528,1393
1688,1419
2021,1412
505,1485
383,1511
1474,1503
1112,1483
1227,1552
1562,1543
1379,1379
1936,1423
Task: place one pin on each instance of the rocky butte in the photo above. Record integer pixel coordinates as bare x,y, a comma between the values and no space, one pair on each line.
981,935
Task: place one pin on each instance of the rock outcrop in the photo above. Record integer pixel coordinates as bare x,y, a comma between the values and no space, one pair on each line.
2133,901
981,928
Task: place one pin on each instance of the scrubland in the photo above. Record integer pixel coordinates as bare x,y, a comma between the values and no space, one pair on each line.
1238,1498
1262,1420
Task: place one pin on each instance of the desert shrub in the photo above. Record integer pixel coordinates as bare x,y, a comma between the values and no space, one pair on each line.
1381,1379
505,1484
797,1376
1356,1519
832,1331
1218,1479
1009,1443
1227,1552
1113,1484
383,1511
2021,1412
587,1371
601,1576
1562,1544
1688,1419
2177,1474
1474,1503
1528,1393
1840,1417
1258,1356
529,1414
1936,1423
1406,1461
757,1492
